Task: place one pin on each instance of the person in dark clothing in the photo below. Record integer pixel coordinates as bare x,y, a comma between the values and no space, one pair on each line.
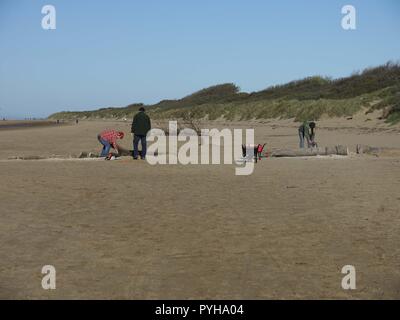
307,132
141,125
304,133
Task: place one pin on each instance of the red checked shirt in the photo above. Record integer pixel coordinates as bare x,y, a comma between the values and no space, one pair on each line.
110,135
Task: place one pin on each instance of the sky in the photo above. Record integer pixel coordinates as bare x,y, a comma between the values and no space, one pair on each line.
113,53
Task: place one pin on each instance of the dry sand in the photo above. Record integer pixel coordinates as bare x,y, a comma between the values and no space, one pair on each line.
125,229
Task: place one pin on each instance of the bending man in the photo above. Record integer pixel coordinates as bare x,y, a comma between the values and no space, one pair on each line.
307,131
108,139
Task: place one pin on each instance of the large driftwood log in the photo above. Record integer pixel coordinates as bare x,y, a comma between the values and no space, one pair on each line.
294,153
341,150
377,151
27,158
125,152
122,152
336,150
363,149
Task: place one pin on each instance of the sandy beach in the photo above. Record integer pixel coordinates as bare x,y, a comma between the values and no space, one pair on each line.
128,230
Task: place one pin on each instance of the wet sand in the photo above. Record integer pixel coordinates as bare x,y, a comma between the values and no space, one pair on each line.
125,229
22,124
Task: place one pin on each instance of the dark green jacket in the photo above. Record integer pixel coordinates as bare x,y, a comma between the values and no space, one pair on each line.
141,124
305,129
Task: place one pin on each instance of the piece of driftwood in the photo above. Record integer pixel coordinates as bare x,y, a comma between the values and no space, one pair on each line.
125,152
364,149
377,151
27,158
336,150
295,153
341,150
122,152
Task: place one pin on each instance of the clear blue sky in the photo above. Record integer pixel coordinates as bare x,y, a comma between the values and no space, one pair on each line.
113,53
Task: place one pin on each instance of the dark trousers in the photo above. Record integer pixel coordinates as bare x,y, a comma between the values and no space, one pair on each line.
303,137
142,139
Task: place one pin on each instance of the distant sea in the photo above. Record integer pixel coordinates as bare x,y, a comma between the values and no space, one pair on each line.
16,124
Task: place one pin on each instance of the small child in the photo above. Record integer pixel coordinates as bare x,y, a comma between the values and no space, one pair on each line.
258,149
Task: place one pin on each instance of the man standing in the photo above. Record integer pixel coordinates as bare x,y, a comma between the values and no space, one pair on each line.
108,139
141,125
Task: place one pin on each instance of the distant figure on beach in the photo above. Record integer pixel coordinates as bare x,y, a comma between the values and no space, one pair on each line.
307,131
141,125
76,121
108,139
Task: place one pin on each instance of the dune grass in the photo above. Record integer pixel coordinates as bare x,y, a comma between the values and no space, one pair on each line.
310,98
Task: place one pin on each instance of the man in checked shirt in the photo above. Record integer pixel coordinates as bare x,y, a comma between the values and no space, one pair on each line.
108,139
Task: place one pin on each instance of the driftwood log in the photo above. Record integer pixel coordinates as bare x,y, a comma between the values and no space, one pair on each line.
28,158
377,151
122,152
125,152
363,149
336,150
